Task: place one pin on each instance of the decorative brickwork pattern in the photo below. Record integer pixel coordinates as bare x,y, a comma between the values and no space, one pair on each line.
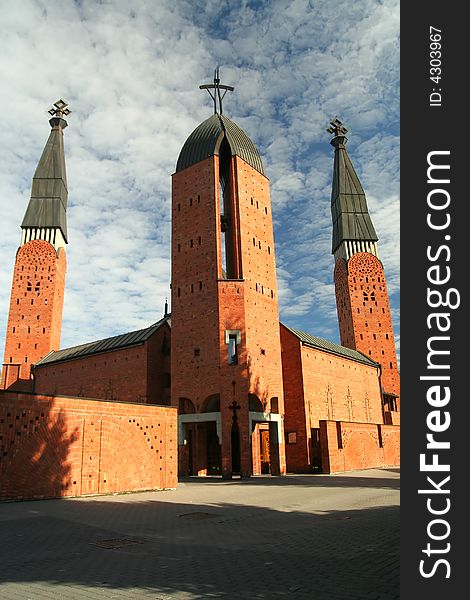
320,386
54,446
35,317
364,314
350,446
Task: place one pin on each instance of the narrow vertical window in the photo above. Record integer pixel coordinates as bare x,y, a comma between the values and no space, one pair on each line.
232,349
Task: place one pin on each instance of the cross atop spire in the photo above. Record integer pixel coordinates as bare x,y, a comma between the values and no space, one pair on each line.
216,86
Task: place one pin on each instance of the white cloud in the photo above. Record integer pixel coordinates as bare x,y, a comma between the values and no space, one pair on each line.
130,71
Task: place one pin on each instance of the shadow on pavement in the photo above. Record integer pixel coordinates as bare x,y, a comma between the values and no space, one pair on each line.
164,550
374,479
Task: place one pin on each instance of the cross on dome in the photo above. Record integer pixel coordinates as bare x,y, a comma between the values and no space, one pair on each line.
217,86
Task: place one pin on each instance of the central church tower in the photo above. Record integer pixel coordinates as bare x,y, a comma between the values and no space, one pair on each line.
37,294
226,357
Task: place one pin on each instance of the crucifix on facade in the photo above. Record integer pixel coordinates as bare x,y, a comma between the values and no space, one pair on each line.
234,407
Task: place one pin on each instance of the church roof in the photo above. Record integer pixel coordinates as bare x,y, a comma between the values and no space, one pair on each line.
205,141
351,219
327,346
117,342
47,207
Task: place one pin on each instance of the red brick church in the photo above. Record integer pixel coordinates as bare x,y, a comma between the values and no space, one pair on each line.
220,386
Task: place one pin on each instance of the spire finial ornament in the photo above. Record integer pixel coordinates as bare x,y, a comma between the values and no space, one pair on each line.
58,111
339,131
336,127
216,96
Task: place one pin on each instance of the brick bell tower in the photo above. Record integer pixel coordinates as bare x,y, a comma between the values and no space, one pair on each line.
364,316
226,352
37,294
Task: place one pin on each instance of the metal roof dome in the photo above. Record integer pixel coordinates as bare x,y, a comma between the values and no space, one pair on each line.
205,141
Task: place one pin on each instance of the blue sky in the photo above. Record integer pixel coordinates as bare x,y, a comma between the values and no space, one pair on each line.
130,71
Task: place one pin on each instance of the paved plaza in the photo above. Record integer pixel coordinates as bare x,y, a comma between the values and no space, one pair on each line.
316,537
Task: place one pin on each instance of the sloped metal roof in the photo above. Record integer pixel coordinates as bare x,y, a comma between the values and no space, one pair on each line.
47,207
205,141
327,346
351,219
106,345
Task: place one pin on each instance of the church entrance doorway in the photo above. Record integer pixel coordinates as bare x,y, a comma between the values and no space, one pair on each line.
315,450
214,461
265,452
235,449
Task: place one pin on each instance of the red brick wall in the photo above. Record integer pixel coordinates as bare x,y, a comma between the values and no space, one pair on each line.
340,389
194,311
35,317
135,374
53,447
364,314
298,453
205,306
118,375
350,446
159,367
323,386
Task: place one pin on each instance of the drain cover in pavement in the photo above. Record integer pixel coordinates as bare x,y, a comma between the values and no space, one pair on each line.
116,543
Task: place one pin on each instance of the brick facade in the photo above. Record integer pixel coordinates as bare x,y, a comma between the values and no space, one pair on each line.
212,299
35,317
349,446
135,374
57,446
364,314
321,386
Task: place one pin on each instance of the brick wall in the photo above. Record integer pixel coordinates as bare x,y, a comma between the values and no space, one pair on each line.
297,454
323,386
136,374
35,316
56,446
350,446
205,305
364,314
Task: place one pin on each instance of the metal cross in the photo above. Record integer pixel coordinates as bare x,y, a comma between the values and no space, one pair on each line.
216,86
59,109
337,128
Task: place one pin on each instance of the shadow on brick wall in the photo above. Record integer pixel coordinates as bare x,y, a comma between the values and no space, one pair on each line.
35,448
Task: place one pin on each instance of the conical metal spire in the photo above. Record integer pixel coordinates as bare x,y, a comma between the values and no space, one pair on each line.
46,215
352,225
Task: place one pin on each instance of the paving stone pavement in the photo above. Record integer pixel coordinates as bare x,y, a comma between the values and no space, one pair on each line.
315,537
